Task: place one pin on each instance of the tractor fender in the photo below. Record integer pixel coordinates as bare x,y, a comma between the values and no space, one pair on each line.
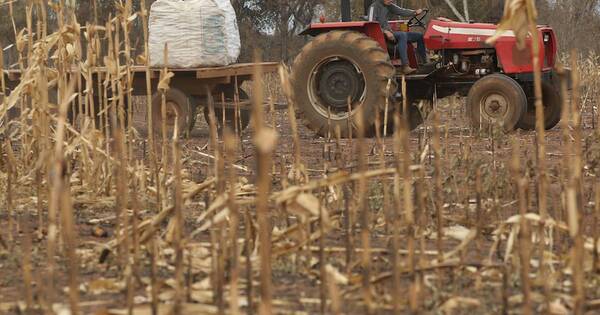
554,77
371,29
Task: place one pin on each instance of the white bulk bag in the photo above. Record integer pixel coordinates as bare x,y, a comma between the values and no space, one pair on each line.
197,33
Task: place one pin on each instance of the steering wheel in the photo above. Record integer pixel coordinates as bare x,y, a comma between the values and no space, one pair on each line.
419,21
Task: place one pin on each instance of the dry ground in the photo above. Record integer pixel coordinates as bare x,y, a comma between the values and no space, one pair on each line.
468,283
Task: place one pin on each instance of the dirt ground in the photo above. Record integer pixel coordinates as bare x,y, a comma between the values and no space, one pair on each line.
484,287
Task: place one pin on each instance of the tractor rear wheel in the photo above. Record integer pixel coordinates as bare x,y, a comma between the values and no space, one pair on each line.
337,75
496,100
552,109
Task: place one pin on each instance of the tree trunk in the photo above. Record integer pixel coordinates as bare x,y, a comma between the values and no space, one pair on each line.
284,33
455,11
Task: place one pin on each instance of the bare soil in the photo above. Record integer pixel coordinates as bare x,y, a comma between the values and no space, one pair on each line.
297,288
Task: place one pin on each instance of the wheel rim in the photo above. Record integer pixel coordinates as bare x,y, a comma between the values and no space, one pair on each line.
495,107
332,82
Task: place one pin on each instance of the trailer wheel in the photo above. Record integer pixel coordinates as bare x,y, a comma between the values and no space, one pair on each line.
178,109
552,109
496,100
338,68
229,118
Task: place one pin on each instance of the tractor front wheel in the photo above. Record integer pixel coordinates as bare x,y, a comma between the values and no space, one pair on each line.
496,100
552,109
338,75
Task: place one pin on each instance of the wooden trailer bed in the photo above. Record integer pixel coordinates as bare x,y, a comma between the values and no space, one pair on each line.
188,91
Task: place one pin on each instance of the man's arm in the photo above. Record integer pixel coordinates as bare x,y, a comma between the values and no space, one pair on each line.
375,15
394,9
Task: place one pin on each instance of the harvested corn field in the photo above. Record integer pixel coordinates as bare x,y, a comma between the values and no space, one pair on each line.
118,198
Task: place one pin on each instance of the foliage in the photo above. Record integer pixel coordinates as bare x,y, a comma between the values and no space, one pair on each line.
107,221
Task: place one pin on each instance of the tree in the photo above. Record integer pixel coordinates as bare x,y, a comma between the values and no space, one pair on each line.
576,22
7,29
280,20
273,25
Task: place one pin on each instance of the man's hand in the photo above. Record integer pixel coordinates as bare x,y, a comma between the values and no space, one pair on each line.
390,36
419,12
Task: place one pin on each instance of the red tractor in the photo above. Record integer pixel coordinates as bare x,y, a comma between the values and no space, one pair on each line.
349,65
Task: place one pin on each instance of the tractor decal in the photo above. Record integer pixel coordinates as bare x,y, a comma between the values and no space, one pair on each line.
470,31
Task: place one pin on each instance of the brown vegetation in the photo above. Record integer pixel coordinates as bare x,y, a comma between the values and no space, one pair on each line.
441,220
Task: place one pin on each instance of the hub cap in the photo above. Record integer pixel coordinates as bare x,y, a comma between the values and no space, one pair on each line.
495,106
332,83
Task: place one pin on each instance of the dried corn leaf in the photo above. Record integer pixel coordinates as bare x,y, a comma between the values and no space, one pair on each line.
516,19
102,286
165,81
167,309
457,232
336,275
456,303
266,139
306,206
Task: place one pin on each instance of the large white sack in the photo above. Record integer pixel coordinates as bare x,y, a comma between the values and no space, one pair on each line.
197,33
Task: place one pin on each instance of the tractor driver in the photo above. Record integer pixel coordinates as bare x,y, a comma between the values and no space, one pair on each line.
379,11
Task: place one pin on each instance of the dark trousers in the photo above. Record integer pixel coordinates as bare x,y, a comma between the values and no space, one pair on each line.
402,40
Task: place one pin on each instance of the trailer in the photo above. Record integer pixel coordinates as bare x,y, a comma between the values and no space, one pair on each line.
188,92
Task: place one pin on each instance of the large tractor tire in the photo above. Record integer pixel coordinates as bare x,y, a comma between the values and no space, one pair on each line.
496,100
178,110
338,68
552,109
229,119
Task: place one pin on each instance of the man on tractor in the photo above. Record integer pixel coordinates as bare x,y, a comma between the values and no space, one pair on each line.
379,11
347,75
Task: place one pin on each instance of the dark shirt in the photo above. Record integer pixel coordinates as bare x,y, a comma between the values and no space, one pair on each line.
379,12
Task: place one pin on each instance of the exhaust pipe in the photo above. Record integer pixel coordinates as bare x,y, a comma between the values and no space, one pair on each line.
367,6
346,11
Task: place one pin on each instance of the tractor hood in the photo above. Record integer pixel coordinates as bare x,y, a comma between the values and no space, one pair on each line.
319,28
449,35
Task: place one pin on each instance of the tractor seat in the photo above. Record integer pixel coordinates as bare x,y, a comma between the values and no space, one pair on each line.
391,46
